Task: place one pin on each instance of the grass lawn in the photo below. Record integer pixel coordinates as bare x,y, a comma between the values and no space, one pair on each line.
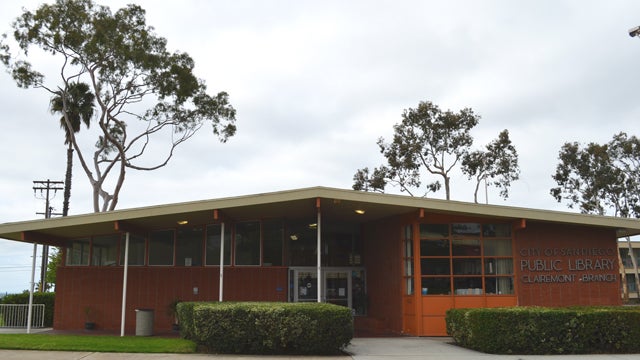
97,343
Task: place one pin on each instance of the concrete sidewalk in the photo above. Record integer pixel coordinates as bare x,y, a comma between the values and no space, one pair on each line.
442,348
401,348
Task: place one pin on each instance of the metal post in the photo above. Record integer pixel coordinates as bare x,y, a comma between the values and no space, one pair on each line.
221,262
319,231
124,283
33,274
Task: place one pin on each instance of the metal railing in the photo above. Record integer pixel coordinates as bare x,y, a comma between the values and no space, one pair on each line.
16,315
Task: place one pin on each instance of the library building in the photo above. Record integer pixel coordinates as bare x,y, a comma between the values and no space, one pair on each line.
398,262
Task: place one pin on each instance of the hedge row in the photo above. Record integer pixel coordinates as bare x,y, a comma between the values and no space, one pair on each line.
266,327
542,331
46,298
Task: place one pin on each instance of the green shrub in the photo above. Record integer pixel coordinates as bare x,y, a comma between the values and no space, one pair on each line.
537,330
46,298
185,318
267,328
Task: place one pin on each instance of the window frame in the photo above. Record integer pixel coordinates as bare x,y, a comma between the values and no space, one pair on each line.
467,259
83,255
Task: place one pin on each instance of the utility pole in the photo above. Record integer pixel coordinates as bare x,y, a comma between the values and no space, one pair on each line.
45,187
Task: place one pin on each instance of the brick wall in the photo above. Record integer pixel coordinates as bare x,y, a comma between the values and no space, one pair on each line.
154,288
563,265
383,260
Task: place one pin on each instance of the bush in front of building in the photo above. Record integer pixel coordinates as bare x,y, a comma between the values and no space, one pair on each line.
46,298
543,331
266,327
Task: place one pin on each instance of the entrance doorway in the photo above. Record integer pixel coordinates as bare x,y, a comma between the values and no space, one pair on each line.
340,286
337,288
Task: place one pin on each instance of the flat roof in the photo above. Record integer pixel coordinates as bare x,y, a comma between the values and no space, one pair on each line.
336,204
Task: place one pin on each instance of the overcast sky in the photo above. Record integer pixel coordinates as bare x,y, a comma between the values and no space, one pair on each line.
316,84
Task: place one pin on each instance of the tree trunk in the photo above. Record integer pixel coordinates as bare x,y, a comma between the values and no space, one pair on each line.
446,187
67,181
475,193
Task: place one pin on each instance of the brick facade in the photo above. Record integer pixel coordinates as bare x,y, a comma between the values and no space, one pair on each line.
563,265
100,288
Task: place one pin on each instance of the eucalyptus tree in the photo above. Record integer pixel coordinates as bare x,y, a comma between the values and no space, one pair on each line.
144,93
374,181
601,179
430,139
79,103
429,142
496,166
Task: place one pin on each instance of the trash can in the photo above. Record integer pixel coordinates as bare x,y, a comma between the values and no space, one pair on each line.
144,322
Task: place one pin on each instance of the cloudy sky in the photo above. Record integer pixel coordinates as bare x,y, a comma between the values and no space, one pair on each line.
315,85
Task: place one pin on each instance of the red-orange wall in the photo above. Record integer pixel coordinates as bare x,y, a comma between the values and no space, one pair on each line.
545,243
155,288
383,261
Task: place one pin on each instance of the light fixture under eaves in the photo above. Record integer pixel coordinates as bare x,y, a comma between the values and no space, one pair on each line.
293,237
183,222
359,211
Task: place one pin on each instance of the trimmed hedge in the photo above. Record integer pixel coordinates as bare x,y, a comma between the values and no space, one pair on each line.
46,298
542,331
266,327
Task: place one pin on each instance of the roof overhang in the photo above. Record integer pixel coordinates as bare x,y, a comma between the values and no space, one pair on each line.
336,204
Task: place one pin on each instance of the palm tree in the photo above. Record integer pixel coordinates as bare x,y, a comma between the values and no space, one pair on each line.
78,105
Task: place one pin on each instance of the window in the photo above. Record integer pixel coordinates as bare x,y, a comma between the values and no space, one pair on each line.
631,283
78,252
273,235
496,230
213,244
136,250
302,242
161,248
248,243
435,266
435,259
189,246
434,247
307,286
408,260
436,285
466,259
497,247
465,229
434,231
466,247
626,259
105,250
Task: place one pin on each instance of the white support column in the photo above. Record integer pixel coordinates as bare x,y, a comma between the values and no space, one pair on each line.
124,283
31,286
221,262
319,261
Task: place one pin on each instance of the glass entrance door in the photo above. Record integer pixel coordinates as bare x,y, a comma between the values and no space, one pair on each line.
340,286
337,288
305,286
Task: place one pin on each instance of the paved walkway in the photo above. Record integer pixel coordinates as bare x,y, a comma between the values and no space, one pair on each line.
400,348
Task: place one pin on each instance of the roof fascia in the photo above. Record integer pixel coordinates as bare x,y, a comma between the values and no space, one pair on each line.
625,226
38,238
